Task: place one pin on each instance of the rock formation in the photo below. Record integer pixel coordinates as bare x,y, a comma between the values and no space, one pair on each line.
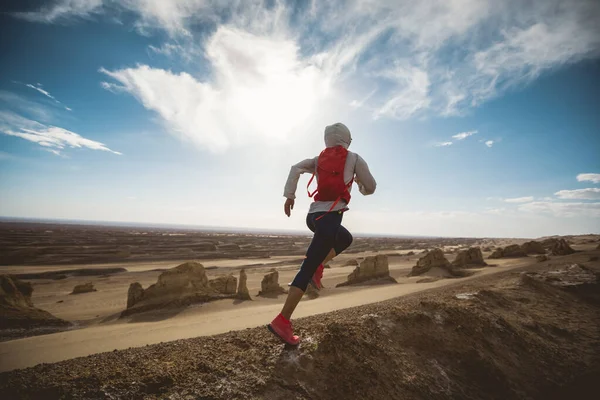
469,257
410,253
598,247
434,258
15,293
134,294
533,247
574,278
84,288
224,284
542,258
176,287
372,268
353,262
561,248
242,289
497,253
17,309
514,250
269,286
549,243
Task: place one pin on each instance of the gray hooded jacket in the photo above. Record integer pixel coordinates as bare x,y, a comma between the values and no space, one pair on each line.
335,135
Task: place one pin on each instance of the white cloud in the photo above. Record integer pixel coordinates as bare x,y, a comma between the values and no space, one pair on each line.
55,152
411,93
25,105
560,209
595,178
261,89
62,10
464,135
443,144
39,89
496,211
52,138
579,194
432,57
548,41
361,103
171,50
519,199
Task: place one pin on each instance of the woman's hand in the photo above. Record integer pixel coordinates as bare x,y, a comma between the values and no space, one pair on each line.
288,207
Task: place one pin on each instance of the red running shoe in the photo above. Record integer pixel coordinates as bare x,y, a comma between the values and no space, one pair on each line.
316,279
282,328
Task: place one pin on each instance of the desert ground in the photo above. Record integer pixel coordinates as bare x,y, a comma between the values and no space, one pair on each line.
251,364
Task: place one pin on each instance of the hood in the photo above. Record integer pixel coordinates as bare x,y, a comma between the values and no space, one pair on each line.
337,135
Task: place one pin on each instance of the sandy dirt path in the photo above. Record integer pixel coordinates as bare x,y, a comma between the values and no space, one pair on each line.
207,319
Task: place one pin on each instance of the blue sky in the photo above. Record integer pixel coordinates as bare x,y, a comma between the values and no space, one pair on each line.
476,118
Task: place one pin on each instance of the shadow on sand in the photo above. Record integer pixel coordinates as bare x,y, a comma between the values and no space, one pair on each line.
156,315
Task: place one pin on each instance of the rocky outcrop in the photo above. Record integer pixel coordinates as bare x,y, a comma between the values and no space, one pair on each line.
514,250
353,262
497,253
189,275
14,292
269,286
242,289
374,268
177,287
431,259
471,257
84,288
134,294
574,278
17,309
561,248
533,247
542,258
598,247
224,284
549,243
435,262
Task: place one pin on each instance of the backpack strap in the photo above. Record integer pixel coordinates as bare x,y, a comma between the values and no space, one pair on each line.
307,186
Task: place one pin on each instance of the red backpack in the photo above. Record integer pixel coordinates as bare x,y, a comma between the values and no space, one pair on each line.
330,177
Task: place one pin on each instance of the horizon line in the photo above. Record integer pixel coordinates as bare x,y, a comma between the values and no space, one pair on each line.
210,228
